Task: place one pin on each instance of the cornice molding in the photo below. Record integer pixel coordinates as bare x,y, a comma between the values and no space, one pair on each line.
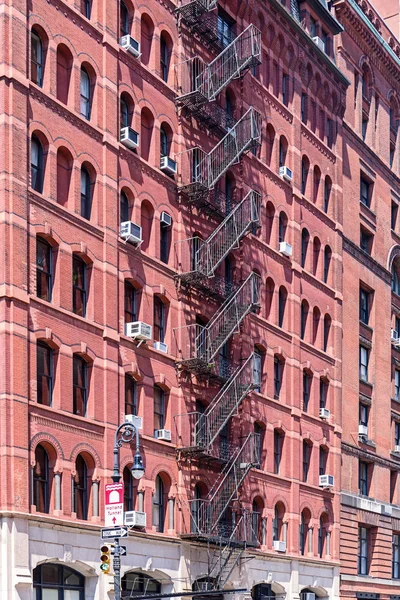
366,260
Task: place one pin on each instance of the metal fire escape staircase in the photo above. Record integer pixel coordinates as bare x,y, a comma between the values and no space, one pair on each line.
202,344
201,83
199,17
209,168
229,538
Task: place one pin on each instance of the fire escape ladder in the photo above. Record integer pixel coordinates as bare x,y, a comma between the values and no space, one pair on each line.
210,253
227,319
246,134
227,485
192,10
225,557
208,425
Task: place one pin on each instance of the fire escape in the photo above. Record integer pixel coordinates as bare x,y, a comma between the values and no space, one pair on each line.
218,519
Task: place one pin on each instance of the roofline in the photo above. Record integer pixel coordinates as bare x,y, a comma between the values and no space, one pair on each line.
326,16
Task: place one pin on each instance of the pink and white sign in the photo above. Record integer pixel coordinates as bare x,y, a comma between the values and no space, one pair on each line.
114,504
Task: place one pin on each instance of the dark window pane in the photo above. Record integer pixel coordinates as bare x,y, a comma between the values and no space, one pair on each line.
43,270
44,374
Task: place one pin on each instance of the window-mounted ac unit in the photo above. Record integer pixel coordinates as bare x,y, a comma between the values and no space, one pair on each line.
285,249
138,330
161,347
279,546
286,173
135,518
166,219
163,434
135,420
326,481
363,431
397,449
324,413
168,165
129,137
130,232
320,43
394,337
130,44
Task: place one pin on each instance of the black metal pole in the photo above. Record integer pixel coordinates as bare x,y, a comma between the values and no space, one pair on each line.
117,570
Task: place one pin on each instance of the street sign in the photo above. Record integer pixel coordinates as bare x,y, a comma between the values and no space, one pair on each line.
121,550
113,532
114,504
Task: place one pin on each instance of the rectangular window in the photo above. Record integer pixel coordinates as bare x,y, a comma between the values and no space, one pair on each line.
304,103
396,556
44,277
130,395
366,239
397,433
277,377
130,308
365,191
159,408
44,370
278,442
323,393
79,286
323,457
397,326
393,483
364,127
363,414
363,538
364,359
306,390
80,386
363,478
164,59
159,320
329,133
394,213
225,29
313,27
306,459
364,306
36,60
397,384
257,371
165,233
285,89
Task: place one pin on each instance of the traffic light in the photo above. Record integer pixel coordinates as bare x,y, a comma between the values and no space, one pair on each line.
105,558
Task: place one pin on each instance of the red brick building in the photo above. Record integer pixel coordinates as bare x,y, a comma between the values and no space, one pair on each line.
176,167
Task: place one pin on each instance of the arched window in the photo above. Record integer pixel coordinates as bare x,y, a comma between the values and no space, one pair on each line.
85,93
165,53
44,374
37,170
130,303
64,70
282,299
256,512
263,591
159,408
316,253
41,483
81,489
270,221
277,522
146,133
327,262
59,582
37,62
124,212
269,296
197,510
307,379
283,220
80,385
257,370
305,238
64,174
159,505
138,584
165,239
44,269
124,113
316,320
146,38
283,147
322,531
270,139
303,318
327,192
165,141
86,194
124,27
305,166
395,278
146,221
159,320
79,286
327,328
303,532
317,180
128,489
259,434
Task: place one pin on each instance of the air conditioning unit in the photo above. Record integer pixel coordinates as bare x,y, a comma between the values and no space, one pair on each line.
397,449
131,45
138,330
130,232
279,546
321,45
307,596
166,219
135,420
394,338
135,518
324,413
286,173
168,165
163,434
363,431
161,347
326,481
129,137
285,249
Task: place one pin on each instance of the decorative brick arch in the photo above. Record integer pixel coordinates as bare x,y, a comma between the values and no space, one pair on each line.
36,20
86,448
394,253
325,510
59,38
306,505
45,230
43,436
279,499
162,468
46,335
